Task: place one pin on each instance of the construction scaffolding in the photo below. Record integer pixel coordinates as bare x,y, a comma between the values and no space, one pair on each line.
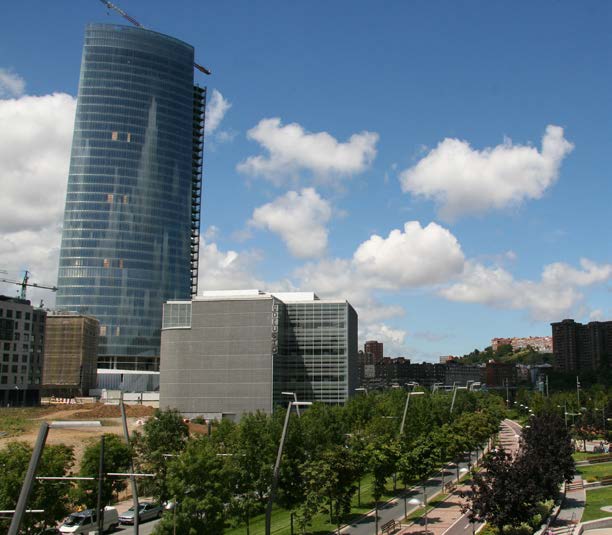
71,353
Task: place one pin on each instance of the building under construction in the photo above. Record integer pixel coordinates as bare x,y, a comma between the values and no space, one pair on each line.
71,353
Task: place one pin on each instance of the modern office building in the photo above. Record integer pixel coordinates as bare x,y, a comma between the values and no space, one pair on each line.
227,353
22,340
131,223
71,355
578,347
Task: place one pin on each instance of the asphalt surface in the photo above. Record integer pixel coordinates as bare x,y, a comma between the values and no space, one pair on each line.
394,509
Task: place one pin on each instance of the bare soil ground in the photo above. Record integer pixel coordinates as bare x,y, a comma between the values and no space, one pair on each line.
77,438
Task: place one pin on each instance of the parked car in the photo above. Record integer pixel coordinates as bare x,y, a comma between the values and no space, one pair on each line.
87,521
146,511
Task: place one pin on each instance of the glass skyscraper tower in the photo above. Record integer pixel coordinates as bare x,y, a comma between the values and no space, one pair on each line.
131,224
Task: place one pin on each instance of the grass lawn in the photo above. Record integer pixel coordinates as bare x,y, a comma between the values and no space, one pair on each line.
596,499
18,420
596,472
281,518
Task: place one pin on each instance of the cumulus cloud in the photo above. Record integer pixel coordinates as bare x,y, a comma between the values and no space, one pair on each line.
35,141
227,270
555,296
11,84
291,149
463,180
413,257
384,333
299,218
216,108
416,256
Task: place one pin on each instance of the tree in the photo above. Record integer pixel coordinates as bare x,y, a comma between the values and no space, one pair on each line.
499,494
50,496
162,434
546,454
197,481
116,459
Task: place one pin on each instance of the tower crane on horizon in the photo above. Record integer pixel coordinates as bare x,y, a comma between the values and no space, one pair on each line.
110,5
24,284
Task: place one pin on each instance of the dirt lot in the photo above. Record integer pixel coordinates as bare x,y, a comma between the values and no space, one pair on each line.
23,424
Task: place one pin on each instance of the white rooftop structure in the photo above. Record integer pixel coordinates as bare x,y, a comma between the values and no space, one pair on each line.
285,297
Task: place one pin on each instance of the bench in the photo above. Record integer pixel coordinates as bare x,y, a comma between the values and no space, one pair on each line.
389,527
606,481
450,488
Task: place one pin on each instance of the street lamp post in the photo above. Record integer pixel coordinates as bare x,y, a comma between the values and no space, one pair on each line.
416,501
294,396
362,389
412,393
28,481
276,470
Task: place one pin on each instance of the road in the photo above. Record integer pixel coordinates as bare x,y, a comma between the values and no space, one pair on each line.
394,509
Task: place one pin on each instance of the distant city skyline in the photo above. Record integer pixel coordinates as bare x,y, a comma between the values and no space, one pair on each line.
443,167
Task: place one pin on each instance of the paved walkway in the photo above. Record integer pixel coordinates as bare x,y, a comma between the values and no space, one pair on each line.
572,507
446,517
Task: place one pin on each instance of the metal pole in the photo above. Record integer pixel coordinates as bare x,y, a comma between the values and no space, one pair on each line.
126,434
29,479
100,511
405,411
276,471
578,391
454,396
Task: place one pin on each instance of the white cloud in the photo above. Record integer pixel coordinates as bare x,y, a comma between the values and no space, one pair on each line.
35,141
216,108
415,257
384,333
292,149
11,84
211,233
299,218
463,180
36,251
227,270
555,296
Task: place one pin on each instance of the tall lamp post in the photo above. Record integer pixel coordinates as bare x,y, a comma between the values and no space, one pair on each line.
294,396
26,488
412,393
278,461
416,501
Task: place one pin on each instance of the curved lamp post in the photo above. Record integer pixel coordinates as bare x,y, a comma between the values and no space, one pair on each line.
276,471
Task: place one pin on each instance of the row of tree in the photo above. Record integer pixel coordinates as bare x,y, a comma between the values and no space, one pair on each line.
225,478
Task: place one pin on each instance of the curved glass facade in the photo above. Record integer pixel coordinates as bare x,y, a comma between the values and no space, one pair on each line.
127,236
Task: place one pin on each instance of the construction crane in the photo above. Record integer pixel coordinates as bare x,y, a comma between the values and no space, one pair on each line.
25,283
110,5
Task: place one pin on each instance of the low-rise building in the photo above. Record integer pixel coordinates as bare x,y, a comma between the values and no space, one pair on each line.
71,354
22,340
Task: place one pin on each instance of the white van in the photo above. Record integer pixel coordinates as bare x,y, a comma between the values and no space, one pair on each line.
87,522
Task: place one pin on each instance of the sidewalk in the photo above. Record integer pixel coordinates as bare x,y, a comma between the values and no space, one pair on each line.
572,507
447,517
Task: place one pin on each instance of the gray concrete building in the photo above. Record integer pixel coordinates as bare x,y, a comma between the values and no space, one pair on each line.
227,353
22,340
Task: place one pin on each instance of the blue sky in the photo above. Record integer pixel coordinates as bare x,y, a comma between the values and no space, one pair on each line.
388,153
